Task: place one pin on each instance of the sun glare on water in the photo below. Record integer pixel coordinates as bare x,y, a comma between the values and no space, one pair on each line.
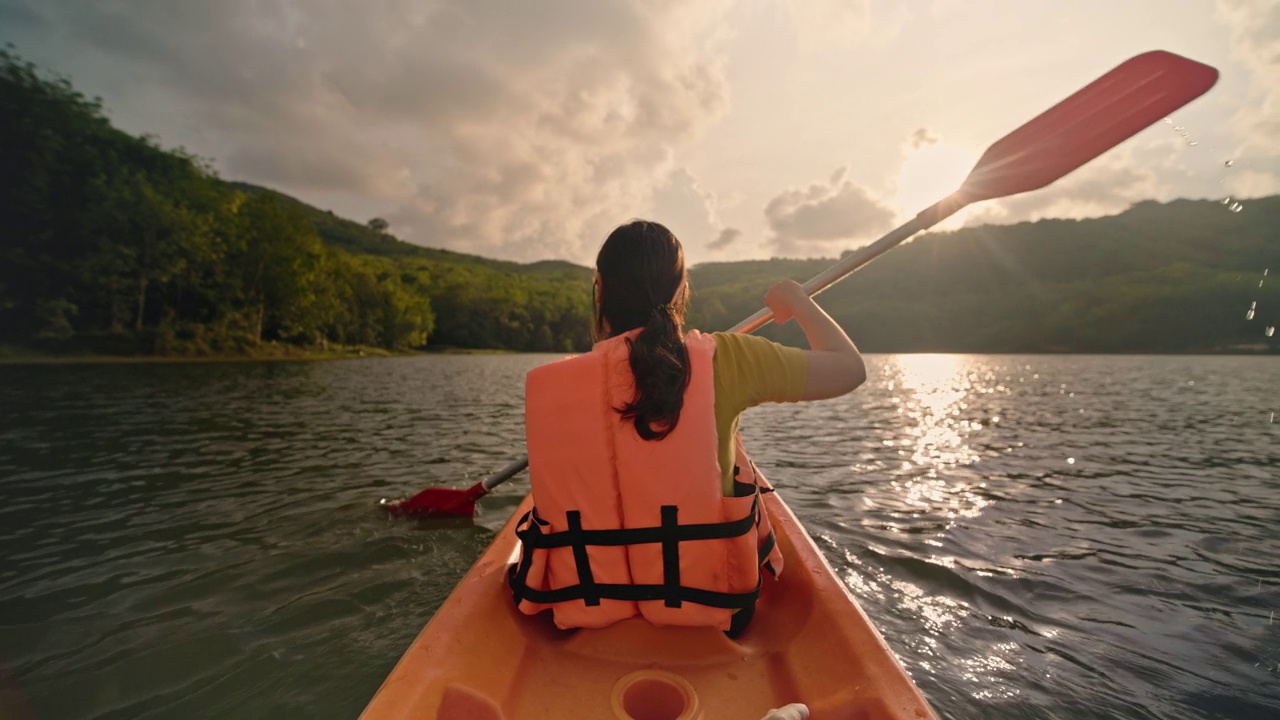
932,392
929,174
930,374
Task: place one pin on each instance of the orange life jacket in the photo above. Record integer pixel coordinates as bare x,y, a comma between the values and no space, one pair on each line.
623,526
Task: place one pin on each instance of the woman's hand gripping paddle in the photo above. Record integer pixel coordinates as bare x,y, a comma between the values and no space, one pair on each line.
1139,92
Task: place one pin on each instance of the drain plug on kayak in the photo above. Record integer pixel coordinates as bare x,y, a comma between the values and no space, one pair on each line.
654,695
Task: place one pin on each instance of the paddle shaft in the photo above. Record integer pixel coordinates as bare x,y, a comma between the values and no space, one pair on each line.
814,285
505,474
853,261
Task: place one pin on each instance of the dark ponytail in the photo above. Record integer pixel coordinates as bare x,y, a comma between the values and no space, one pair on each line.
643,284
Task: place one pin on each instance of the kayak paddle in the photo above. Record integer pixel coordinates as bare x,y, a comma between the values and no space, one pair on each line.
451,503
1137,93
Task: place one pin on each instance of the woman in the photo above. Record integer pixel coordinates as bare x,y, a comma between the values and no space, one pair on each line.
644,501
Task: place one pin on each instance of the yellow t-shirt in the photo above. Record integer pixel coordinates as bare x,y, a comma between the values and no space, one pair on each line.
749,371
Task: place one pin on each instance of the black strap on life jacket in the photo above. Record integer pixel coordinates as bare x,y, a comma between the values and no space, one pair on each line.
743,489
669,534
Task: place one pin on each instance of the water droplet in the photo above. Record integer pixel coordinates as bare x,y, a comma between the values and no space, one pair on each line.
1253,305
1193,143
1169,120
1265,271
1270,331
1226,200
1071,461
1249,315
1177,128
1229,163
1235,207
1185,134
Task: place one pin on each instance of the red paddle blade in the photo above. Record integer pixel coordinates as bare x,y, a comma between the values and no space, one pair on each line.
1107,111
439,503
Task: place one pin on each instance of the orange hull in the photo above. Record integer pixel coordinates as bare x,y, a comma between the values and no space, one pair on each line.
480,659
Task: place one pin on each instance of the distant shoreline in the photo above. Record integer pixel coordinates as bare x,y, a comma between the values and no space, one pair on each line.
98,359
15,356
10,355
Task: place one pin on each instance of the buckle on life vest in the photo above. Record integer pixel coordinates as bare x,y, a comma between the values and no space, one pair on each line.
518,574
669,534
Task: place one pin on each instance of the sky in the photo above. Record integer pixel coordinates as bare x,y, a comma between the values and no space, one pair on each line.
752,128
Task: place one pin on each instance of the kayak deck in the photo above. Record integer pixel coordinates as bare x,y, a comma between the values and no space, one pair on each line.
481,659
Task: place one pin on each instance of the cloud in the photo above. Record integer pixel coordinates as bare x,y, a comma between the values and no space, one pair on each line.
922,137
1254,27
691,211
523,130
727,237
825,217
19,13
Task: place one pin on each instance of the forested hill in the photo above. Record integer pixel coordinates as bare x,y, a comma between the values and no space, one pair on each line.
361,239
112,244
1175,277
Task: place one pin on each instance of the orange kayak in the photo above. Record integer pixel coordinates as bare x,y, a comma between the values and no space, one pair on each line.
481,659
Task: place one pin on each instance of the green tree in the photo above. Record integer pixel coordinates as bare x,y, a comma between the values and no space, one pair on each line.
278,257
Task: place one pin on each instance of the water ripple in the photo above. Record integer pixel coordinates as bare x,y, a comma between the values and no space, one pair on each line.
1035,536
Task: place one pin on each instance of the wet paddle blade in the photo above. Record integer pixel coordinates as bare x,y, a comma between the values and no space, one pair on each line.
1140,91
439,503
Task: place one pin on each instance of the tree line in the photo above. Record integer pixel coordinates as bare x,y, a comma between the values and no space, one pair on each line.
1184,276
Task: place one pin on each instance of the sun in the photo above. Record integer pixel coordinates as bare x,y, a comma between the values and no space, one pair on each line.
929,174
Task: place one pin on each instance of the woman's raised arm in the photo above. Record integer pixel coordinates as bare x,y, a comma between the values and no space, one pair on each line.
835,366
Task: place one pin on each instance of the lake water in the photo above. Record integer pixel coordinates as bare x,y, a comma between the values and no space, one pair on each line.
1036,537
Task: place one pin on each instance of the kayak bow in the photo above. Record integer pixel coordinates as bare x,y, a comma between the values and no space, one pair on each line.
481,659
